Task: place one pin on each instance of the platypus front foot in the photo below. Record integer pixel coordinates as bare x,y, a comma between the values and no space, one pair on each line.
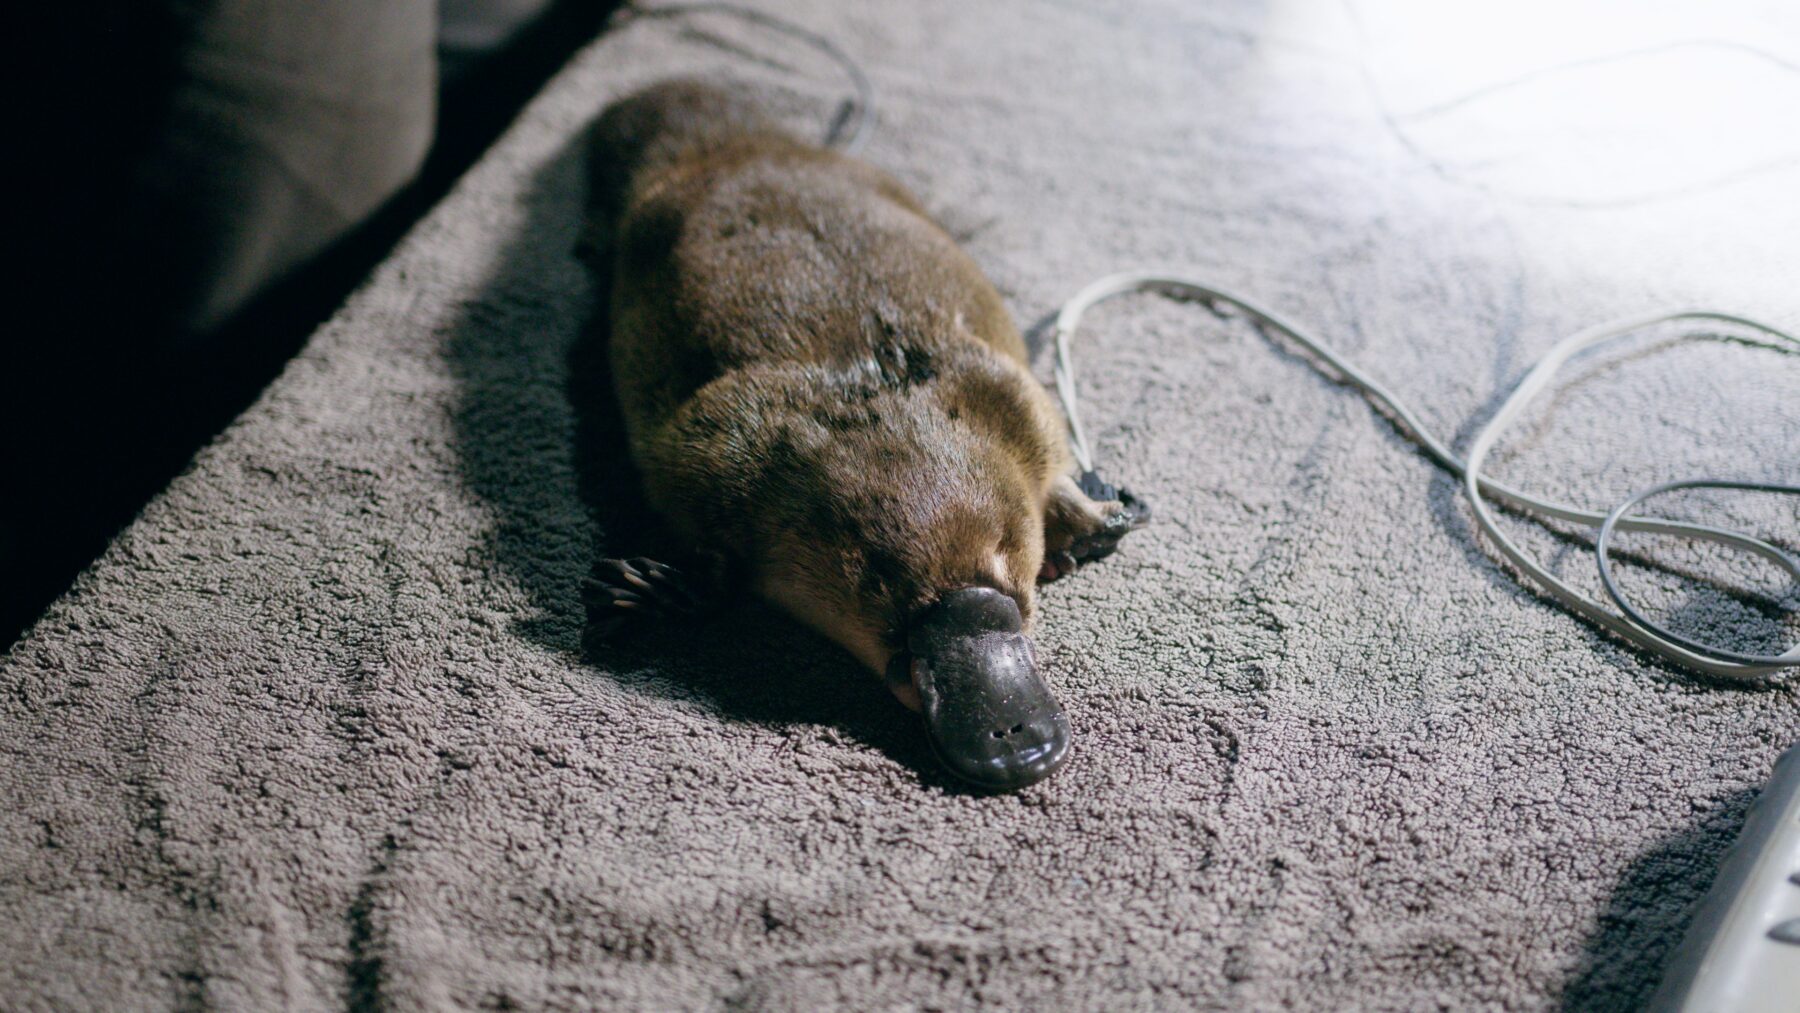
1120,516
1084,521
623,593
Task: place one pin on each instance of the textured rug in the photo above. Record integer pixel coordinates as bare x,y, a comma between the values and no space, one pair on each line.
318,731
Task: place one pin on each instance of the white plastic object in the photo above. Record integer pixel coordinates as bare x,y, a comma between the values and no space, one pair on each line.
1741,954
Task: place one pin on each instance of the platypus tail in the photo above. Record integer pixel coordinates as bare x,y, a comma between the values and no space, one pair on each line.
656,126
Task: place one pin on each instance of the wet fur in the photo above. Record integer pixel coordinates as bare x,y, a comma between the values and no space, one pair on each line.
819,388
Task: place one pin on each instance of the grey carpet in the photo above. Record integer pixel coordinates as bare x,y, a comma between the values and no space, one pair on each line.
317,730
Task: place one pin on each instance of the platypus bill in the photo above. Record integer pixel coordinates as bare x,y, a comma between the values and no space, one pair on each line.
829,406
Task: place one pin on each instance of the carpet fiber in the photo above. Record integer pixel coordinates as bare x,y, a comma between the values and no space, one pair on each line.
318,730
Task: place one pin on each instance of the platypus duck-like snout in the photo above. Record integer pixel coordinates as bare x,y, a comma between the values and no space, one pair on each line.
991,718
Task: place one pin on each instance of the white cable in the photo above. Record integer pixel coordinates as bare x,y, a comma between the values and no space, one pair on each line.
1630,625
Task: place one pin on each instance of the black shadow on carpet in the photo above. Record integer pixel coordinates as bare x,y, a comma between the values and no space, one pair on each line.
1650,909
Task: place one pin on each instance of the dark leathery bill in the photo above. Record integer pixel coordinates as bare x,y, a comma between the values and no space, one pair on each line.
990,717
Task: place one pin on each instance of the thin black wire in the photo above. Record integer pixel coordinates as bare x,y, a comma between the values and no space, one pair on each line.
857,115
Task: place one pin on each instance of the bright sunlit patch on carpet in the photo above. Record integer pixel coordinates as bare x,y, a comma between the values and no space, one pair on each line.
1584,104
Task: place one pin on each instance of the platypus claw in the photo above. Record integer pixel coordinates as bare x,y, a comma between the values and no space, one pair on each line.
627,591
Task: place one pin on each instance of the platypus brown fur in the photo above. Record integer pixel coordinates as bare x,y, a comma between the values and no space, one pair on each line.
827,401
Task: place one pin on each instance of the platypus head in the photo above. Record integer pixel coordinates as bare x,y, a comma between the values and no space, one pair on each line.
916,546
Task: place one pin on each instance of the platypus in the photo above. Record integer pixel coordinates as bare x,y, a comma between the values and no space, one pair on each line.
830,407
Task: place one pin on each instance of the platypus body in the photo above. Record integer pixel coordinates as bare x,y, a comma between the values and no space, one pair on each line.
829,406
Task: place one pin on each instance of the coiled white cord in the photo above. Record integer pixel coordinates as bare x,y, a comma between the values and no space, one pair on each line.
1629,624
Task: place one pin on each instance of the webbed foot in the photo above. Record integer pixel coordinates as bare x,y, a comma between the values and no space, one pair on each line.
1084,521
